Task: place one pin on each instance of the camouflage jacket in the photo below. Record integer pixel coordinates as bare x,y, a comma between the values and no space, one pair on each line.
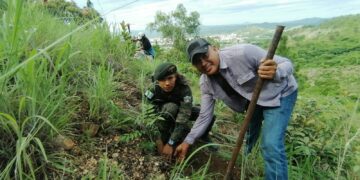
180,95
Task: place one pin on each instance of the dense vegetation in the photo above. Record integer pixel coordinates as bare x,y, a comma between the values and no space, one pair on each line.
59,74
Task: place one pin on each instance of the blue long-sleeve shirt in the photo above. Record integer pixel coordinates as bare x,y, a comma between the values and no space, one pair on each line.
239,65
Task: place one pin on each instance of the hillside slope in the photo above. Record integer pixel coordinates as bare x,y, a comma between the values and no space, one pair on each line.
72,102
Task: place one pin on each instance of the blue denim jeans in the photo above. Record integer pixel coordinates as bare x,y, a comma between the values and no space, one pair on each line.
151,51
274,121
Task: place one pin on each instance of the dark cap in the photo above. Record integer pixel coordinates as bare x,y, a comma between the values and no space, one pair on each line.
163,70
197,46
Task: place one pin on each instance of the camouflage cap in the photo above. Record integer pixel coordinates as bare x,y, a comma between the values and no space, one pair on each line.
164,70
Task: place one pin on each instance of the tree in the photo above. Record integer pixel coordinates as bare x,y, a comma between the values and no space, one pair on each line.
176,25
70,12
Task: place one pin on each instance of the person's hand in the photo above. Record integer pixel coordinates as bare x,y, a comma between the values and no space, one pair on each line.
267,69
168,151
181,151
159,145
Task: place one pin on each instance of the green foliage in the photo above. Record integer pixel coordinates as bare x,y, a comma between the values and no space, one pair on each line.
176,25
108,170
47,62
333,43
117,119
43,82
147,121
282,49
45,66
177,171
148,146
23,146
327,87
125,33
310,142
68,11
3,6
131,136
174,55
100,92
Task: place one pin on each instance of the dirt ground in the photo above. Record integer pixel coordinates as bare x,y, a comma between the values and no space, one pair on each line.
129,159
134,162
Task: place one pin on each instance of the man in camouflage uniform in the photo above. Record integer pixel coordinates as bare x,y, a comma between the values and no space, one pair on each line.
172,100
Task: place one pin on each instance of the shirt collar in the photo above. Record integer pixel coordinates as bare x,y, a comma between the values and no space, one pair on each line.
222,64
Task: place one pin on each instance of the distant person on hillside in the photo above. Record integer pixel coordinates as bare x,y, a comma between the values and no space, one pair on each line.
172,99
145,44
89,4
230,75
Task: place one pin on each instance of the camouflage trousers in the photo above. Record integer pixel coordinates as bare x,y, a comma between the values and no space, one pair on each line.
166,127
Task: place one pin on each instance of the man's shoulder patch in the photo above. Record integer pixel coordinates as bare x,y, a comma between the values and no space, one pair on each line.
187,99
149,94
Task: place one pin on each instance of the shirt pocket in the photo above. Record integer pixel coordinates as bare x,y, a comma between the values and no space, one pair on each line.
243,79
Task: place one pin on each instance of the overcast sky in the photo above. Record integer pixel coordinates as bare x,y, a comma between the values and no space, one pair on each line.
219,12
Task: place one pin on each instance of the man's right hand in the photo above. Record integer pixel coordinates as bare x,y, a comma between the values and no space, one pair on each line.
267,69
181,151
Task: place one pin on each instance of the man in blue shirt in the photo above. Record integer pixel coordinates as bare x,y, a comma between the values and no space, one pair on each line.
230,75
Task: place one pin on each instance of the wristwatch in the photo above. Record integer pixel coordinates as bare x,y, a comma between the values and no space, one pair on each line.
171,142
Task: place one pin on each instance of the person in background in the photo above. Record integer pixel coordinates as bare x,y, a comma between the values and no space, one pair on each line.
146,45
172,99
89,4
230,75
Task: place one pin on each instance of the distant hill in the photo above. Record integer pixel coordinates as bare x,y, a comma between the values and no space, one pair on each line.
296,23
331,43
225,29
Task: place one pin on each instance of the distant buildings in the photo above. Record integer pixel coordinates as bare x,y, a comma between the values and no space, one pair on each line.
227,39
232,38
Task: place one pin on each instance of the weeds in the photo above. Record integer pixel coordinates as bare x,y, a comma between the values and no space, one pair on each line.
100,93
349,138
177,171
28,146
46,64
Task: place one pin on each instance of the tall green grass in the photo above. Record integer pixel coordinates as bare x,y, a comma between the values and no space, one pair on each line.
26,146
350,138
202,173
49,68
45,65
100,92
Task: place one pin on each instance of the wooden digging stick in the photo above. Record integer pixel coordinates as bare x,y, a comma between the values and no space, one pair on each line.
252,105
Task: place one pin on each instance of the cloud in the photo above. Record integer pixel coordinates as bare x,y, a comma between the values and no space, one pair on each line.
215,12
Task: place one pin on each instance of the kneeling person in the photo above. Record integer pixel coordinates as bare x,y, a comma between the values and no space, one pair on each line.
172,100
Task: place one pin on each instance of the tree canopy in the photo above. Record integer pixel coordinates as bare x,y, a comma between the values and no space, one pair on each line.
70,12
176,25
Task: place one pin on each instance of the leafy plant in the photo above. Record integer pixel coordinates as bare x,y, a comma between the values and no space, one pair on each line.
131,136
310,142
25,161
